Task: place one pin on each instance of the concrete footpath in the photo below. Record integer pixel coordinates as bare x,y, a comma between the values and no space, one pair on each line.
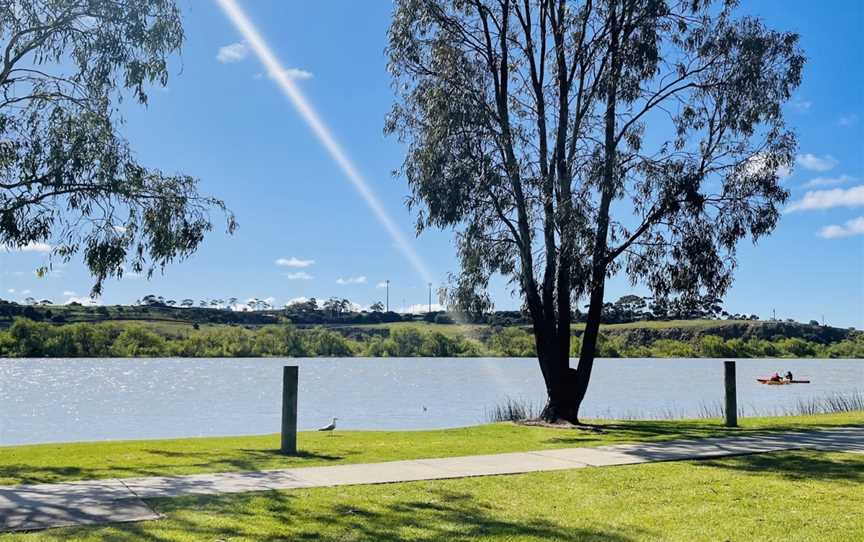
31,507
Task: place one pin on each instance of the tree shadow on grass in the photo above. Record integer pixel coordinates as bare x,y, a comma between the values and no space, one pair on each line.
448,515
252,456
384,516
186,463
659,430
610,433
30,474
796,465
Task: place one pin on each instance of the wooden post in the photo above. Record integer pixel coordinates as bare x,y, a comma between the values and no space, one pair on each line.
731,395
289,410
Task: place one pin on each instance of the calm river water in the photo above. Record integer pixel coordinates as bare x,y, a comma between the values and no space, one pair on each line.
54,400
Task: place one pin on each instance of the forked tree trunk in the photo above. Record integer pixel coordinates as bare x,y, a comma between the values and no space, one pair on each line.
560,379
561,403
565,403
566,387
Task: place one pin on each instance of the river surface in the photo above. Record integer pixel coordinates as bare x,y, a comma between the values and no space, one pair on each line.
58,400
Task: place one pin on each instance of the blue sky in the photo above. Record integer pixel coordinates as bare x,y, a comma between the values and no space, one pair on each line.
223,120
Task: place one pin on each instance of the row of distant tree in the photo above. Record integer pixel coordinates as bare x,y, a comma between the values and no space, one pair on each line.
334,306
632,308
628,308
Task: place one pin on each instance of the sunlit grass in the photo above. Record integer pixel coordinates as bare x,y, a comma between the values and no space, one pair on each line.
806,496
667,324
77,461
447,329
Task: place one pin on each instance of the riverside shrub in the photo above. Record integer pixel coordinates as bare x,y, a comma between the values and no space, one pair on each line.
26,338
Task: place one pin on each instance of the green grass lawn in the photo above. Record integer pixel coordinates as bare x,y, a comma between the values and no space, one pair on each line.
77,461
800,496
451,330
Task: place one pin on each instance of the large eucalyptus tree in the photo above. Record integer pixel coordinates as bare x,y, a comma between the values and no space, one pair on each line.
67,176
566,142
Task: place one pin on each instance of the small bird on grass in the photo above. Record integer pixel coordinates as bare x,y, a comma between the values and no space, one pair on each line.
330,427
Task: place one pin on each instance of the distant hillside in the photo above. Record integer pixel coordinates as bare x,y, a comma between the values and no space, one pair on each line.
73,313
648,332
643,332
68,314
358,325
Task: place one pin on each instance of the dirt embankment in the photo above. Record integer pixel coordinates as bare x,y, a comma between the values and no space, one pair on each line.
739,330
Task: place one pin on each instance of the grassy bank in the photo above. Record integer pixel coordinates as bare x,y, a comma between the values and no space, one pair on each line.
792,496
787,496
76,461
26,338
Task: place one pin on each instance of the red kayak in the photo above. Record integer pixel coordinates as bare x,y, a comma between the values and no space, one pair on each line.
780,382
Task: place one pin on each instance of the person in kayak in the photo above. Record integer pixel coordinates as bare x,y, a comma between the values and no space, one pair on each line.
775,377
788,376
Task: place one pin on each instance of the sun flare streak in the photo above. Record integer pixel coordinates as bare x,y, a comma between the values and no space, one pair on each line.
280,75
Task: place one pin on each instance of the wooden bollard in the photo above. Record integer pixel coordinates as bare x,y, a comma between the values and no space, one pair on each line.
289,410
731,412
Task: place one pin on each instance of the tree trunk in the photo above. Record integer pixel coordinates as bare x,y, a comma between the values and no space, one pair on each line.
561,404
589,343
560,379
566,387
569,386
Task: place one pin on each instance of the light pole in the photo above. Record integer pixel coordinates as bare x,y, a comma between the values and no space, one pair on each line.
430,298
387,307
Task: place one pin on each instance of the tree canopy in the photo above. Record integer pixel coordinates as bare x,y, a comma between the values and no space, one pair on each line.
67,175
567,142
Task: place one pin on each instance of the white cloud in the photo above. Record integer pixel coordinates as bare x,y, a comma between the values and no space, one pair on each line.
381,284
351,280
297,74
29,247
299,275
829,181
848,120
234,52
801,105
247,306
851,227
422,308
83,301
828,199
128,273
24,292
69,293
816,163
293,262
756,163
11,290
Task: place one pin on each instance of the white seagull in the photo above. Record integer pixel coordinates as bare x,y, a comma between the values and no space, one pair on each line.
330,427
